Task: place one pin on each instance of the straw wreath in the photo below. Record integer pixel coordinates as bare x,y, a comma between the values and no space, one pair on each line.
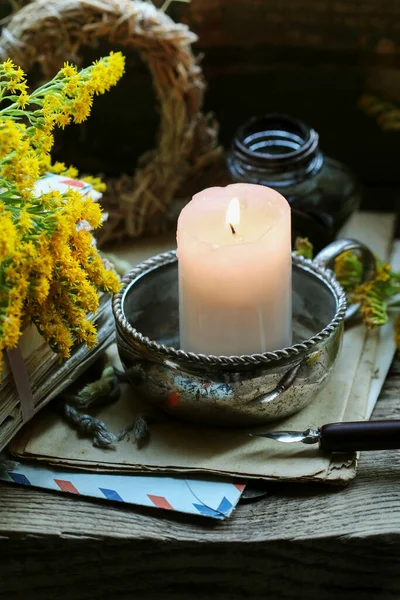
49,32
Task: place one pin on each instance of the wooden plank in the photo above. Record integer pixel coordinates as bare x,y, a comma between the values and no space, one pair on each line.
298,543
293,515
345,569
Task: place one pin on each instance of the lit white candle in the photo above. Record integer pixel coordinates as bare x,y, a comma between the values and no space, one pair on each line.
234,256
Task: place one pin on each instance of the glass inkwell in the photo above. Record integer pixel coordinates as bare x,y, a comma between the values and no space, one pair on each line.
283,153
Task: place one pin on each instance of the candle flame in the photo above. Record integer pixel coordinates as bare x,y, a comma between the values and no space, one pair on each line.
232,218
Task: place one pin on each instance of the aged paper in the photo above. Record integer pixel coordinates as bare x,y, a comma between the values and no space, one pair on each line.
179,447
182,447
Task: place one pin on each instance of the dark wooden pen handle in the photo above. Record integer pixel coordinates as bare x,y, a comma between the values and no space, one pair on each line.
360,435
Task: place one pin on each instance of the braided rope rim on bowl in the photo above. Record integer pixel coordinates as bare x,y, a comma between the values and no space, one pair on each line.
129,333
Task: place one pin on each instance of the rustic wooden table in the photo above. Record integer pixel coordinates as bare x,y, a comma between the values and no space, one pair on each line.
298,542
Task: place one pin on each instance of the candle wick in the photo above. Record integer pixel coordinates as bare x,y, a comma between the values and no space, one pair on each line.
232,228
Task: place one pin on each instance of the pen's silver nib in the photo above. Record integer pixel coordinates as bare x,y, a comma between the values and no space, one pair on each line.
310,436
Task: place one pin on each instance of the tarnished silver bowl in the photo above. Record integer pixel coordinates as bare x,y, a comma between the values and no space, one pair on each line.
231,390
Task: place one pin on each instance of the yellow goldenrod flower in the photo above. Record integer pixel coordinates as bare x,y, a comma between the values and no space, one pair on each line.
21,87
82,242
81,106
50,269
68,70
41,289
29,249
11,135
383,273
58,167
96,182
72,86
54,329
18,76
110,282
374,295
71,172
25,223
8,67
107,72
11,329
62,120
92,213
44,265
12,86
8,236
23,99
348,270
45,163
87,334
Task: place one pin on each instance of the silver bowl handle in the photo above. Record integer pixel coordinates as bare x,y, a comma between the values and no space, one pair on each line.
328,255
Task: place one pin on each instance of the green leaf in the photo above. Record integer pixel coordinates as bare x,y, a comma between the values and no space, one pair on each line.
303,247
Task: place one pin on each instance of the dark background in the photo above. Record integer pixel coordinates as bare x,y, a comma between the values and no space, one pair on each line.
313,59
